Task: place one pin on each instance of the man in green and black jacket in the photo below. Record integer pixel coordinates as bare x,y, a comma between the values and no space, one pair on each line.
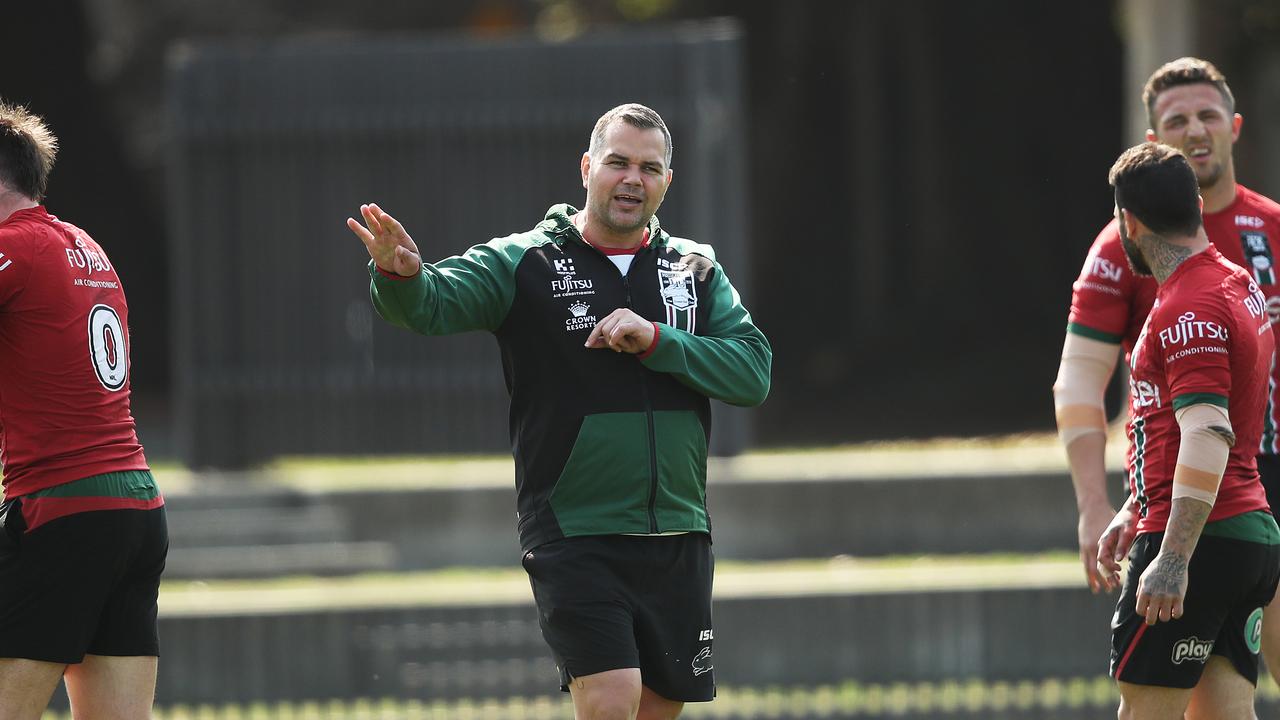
645,329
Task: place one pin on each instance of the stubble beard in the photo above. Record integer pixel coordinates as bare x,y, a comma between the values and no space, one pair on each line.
1211,177
602,212
1137,263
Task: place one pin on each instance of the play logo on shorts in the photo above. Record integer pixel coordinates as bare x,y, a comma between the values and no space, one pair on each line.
1253,631
1192,649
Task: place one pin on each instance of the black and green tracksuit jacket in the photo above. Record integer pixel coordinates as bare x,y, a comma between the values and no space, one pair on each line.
604,442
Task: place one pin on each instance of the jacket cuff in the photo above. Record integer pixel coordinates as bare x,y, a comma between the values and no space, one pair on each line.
652,345
391,275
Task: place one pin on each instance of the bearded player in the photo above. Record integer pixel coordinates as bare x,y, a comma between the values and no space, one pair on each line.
1190,107
1206,556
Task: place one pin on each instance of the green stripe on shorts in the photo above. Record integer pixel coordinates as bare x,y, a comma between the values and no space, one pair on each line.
132,484
1256,527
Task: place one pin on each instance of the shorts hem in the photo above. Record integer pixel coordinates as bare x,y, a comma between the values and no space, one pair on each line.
1157,683
41,657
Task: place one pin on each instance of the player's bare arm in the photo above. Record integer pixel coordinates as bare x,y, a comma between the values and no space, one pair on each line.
622,331
1078,399
387,242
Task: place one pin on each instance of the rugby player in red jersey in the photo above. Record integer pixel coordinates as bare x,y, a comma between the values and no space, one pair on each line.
82,527
1190,107
1203,547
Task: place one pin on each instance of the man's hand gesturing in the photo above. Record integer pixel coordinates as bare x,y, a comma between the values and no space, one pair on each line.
387,242
622,331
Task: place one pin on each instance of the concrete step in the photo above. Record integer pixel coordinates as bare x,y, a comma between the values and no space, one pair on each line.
266,561
319,521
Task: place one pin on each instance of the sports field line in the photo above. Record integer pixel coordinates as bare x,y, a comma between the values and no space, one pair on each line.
510,586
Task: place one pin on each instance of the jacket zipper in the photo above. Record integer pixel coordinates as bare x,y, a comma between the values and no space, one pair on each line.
648,416
644,393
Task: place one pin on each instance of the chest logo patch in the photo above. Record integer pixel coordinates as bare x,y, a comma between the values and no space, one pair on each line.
679,297
677,289
579,317
1258,258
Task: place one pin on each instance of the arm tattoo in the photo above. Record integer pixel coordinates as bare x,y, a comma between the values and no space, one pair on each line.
1186,520
1163,256
1169,577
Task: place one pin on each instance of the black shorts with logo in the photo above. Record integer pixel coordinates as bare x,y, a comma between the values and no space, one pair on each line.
1230,581
81,584
607,602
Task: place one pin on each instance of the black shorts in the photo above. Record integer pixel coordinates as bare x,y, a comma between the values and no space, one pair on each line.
81,584
1229,583
609,602
1269,470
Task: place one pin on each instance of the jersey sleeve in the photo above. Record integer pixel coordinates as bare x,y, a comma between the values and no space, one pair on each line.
15,264
472,291
1194,338
1102,297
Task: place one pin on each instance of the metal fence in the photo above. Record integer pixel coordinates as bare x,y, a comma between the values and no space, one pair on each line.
276,348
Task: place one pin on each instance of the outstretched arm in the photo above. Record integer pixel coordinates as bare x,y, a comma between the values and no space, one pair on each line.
472,291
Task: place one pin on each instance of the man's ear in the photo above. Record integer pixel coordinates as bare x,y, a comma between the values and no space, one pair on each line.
585,164
1131,223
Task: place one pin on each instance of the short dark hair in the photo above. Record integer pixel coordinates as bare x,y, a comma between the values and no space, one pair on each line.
1156,183
1184,71
27,151
635,115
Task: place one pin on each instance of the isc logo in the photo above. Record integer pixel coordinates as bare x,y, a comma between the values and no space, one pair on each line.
705,635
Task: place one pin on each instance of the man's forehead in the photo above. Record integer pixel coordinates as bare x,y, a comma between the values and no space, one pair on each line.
622,138
1189,98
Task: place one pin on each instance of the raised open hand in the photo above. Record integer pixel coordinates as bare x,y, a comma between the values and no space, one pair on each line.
387,242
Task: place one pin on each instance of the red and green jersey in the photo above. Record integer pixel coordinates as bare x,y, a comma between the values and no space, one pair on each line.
1207,340
64,357
1110,303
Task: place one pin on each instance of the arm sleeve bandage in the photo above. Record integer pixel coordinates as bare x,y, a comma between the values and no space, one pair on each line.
1202,455
1081,386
